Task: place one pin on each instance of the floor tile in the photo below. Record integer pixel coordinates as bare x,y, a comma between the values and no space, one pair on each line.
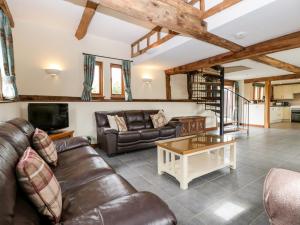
209,197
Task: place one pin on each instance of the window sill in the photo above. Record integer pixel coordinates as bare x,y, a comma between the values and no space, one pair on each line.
117,97
7,101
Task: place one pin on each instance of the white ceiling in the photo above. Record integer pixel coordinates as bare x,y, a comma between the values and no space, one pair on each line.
261,20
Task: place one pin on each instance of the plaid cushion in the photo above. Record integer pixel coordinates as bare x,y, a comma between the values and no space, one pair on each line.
159,119
43,144
39,182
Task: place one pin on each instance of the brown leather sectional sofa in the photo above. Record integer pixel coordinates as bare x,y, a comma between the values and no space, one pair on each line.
140,134
93,194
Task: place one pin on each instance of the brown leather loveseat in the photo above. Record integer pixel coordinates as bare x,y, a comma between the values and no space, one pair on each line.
92,192
140,135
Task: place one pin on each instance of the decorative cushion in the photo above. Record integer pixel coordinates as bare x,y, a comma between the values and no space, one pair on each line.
121,123
39,183
43,144
112,122
159,119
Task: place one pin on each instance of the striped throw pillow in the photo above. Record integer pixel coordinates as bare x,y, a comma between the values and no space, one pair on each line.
39,183
43,144
121,123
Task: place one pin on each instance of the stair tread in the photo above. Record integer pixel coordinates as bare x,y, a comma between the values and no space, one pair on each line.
207,83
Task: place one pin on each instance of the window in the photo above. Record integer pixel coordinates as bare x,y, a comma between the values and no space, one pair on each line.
7,90
116,81
258,92
97,90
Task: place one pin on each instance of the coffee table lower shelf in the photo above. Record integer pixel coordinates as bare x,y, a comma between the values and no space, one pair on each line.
186,167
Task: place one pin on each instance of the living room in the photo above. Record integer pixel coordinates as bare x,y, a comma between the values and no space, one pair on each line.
153,121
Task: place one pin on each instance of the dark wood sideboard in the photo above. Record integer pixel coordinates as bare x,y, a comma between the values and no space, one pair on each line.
191,125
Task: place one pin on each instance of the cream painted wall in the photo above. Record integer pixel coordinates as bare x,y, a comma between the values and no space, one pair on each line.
9,111
179,87
82,118
37,47
40,46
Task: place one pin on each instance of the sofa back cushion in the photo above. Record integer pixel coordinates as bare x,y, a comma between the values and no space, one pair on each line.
24,126
147,118
135,120
101,117
15,137
8,186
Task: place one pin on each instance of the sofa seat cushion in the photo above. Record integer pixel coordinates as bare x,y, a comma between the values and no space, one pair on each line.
149,134
80,200
129,136
136,209
71,174
167,131
25,212
70,143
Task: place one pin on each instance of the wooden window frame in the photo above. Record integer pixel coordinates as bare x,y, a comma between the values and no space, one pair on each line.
100,64
122,95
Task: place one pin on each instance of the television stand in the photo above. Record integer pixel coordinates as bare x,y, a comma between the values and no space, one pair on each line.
61,135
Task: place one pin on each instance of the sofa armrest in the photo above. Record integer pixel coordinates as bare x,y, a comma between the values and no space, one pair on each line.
282,196
177,125
107,139
142,208
63,145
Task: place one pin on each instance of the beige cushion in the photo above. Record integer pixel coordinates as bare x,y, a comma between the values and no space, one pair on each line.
121,123
43,144
159,119
40,184
112,122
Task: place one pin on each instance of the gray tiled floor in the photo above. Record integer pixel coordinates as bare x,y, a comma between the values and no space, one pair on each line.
224,196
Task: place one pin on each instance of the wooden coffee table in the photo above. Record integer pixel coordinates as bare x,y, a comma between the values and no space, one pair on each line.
187,158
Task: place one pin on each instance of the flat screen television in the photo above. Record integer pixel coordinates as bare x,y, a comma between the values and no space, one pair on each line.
49,117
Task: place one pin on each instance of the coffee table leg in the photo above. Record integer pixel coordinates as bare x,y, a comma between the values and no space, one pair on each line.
233,156
160,160
184,172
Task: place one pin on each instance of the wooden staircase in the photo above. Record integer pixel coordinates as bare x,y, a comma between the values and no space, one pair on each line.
208,89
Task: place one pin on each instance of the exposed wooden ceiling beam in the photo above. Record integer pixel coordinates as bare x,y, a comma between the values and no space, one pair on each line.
273,78
174,15
86,18
220,7
202,5
6,10
207,37
286,42
276,63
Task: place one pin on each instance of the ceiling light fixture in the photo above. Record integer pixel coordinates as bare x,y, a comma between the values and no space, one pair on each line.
240,35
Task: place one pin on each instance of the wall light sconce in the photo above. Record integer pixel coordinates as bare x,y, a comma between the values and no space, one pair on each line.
53,72
147,81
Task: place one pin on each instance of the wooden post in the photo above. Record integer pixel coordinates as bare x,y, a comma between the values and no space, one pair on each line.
267,103
168,87
222,73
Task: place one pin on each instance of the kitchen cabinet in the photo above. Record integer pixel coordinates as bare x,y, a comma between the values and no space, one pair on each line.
286,113
296,88
278,114
282,92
